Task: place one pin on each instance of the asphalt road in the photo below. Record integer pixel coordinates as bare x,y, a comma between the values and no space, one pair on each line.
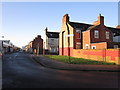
20,71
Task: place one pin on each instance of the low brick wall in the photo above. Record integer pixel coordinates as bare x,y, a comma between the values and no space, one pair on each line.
108,55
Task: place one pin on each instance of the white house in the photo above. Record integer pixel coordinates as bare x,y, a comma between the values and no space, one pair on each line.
51,41
6,46
116,38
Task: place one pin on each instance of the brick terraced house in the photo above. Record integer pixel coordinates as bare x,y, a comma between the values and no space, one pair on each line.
35,46
74,35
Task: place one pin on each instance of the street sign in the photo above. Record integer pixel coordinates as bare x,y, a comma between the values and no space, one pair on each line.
69,35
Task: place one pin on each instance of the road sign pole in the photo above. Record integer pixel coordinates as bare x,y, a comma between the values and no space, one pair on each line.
69,48
69,35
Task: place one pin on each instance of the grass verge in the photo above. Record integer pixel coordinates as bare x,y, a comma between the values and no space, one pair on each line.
74,60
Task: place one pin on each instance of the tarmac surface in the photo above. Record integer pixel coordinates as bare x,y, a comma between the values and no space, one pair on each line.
21,70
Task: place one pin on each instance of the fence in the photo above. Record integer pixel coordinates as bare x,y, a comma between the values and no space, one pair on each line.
106,55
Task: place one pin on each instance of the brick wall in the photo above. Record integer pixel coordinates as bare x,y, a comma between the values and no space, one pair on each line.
77,39
86,39
102,45
64,51
108,55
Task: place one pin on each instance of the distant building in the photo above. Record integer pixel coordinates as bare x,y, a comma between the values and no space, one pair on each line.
116,33
74,35
51,41
29,47
37,45
6,46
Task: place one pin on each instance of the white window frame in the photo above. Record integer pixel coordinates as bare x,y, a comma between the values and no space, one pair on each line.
107,35
93,47
78,31
78,43
86,46
96,34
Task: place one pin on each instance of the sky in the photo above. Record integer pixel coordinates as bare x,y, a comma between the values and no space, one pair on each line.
23,21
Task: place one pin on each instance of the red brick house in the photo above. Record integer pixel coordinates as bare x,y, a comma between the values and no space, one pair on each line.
37,45
98,36
74,35
70,36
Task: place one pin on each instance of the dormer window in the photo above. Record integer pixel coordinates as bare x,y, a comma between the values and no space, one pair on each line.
96,34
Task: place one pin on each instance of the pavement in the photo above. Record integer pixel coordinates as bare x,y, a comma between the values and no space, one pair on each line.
49,63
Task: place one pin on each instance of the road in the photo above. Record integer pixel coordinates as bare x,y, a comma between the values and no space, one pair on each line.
20,71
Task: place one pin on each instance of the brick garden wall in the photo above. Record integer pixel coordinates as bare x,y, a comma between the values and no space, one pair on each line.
108,55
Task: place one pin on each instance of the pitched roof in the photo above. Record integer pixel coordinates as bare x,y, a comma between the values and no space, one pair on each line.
52,34
91,27
80,25
115,30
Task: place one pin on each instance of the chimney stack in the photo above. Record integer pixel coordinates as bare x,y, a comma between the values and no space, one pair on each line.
118,26
46,29
100,20
65,18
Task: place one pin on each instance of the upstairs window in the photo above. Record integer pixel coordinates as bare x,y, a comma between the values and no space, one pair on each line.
96,34
79,31
107,35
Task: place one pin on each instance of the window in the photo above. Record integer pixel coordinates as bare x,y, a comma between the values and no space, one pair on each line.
79,31
107,35
78,45
96,34
115,46
93,47
51,35
52,39
87,46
